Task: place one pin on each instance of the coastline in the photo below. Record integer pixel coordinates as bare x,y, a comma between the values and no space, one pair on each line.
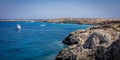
89,44
85,44
67,20
95,43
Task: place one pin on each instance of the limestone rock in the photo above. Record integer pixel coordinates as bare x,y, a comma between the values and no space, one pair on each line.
113,52
78,52
75,52
77,37
98,44
98,38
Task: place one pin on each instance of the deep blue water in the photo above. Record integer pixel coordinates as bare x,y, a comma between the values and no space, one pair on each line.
36,41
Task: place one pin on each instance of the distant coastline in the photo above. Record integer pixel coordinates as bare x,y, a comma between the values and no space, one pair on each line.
68,20
83,20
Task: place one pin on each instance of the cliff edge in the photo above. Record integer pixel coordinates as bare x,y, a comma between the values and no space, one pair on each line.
101,42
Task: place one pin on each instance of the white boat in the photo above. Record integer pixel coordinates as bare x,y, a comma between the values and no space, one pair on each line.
42,25
31,21
18,27
61,23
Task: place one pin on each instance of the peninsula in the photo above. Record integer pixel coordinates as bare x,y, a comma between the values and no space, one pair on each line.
100,42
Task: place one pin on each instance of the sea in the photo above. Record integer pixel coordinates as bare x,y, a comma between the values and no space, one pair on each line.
35,40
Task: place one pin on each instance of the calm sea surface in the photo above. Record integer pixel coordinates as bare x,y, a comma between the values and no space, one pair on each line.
36,40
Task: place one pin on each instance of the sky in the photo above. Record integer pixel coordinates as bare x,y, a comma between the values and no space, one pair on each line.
49,9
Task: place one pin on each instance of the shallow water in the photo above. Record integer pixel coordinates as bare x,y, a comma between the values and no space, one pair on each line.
35,41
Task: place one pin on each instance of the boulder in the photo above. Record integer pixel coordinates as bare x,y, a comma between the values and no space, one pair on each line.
98,38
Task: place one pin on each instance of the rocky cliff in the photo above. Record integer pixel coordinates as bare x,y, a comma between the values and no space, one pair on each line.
101,42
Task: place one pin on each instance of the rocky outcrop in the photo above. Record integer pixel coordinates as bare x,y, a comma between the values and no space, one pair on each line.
80,36
100,52
77,37
99,38
96,43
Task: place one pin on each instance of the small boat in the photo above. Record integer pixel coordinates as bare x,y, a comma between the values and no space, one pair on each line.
18,27
42,25
31,21
61,23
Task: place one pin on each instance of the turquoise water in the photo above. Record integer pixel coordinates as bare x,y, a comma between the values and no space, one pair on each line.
36,41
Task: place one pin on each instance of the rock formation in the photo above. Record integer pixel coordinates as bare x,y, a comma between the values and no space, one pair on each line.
80,36
113,52
96,43
101,42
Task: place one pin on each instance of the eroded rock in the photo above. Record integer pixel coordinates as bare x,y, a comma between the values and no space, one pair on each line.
97,44
75,52
96,35
113,52
98,38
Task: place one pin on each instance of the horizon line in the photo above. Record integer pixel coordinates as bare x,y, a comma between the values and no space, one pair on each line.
48,18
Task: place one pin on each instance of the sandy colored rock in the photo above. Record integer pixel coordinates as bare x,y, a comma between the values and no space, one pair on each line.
96,43
101,42
78,52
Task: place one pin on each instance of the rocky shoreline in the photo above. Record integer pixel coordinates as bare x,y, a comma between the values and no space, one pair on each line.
101,42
